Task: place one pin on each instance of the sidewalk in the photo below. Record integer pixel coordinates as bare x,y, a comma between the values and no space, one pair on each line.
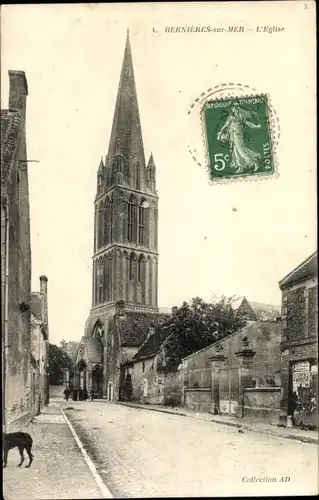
252,426
58,470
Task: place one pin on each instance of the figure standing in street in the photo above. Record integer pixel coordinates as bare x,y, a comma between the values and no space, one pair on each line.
92,394
67,393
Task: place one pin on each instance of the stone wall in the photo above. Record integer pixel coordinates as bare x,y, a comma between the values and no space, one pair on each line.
262,403
18,370
173,388
198,399
264,338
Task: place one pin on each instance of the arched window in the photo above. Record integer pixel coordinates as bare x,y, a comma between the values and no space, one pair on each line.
111,219
150,280
141,269
110,280
141,222
132,263
118,170
108,221
100,281
137,176
100,225
106,279
141,274
132,220
98,332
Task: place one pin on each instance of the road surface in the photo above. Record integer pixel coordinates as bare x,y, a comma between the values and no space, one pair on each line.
141,453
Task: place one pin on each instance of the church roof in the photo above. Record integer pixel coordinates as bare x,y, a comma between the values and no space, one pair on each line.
307,269
255,311
135,326
126,134
153,343
93,349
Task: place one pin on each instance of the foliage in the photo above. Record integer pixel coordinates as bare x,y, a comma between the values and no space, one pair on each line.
70,348
195,325
306,400
58,361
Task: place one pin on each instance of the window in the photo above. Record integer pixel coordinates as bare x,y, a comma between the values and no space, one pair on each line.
141,223
143,366
118,170
100,281
107,221
132,267
100,225
131,220
141,269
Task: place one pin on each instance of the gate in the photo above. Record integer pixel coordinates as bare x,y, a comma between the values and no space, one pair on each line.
228,390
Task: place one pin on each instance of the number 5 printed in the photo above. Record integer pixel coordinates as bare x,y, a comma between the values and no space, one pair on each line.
220,162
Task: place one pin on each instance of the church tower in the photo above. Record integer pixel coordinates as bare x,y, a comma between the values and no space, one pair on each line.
125,255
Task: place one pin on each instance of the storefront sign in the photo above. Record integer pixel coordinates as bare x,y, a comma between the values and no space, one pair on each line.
301,375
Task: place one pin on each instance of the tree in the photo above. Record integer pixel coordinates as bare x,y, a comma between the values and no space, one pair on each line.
58,362
197,324
70,348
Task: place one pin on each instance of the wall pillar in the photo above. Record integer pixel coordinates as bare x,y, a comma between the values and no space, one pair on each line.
217,361
89,379
284,378
245,373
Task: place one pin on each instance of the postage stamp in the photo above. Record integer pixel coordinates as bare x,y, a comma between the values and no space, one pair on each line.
238,137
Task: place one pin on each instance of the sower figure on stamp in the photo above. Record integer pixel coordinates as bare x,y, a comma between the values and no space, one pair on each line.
232,132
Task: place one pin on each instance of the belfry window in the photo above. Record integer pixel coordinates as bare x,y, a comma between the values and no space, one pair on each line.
131,268
141,223
132,220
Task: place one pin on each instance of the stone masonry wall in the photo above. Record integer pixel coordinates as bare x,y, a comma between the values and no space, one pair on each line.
18,384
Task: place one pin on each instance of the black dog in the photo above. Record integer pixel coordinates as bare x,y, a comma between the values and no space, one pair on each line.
23,441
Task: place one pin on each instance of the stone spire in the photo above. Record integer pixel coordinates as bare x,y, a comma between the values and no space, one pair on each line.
126,136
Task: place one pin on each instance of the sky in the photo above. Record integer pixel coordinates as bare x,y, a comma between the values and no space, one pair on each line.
233,239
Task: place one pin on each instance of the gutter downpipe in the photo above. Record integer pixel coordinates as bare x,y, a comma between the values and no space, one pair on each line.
6,310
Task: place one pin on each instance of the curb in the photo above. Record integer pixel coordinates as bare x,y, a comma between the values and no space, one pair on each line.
303,439
152,409
102,487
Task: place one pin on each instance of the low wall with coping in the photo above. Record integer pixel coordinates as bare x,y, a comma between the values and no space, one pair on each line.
262,403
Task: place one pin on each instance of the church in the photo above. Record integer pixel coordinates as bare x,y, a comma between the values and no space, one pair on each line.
124,308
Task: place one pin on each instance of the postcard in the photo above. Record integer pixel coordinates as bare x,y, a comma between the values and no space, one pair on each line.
158,250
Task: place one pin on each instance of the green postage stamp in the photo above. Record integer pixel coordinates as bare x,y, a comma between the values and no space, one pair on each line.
238,137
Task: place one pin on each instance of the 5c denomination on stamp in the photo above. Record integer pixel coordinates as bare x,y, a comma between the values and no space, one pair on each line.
238,137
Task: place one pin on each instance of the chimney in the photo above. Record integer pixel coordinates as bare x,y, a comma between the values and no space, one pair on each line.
43,285
18,90
44,293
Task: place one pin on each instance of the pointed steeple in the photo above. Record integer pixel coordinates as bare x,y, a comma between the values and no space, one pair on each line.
151,175
101,166
151,162
126,135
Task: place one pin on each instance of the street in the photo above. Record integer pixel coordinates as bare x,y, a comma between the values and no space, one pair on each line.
140,453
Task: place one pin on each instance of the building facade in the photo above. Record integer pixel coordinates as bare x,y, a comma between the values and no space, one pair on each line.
15,255
125,258
299,342
40,345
